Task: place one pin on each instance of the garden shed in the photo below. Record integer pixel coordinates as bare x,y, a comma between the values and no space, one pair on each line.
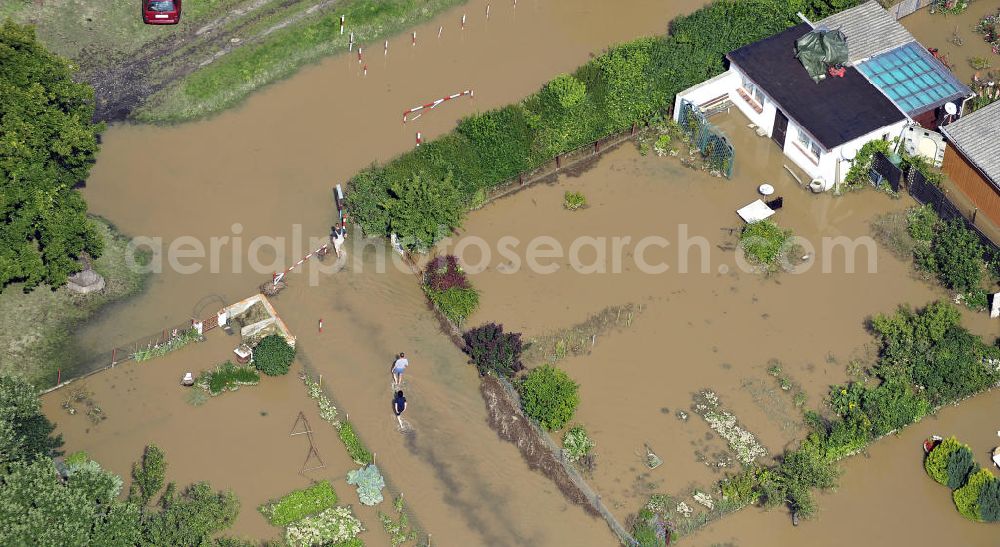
818,125
972,160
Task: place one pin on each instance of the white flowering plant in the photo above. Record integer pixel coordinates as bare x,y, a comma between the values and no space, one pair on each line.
369,482
333,525
741,441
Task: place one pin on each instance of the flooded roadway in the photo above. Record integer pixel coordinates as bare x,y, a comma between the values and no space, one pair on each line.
269,165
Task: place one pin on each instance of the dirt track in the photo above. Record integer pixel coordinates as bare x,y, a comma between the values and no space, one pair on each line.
122,82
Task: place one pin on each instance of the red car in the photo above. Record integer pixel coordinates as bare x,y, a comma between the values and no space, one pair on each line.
161,12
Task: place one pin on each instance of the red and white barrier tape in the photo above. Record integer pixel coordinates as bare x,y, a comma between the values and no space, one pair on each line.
434,104
279,276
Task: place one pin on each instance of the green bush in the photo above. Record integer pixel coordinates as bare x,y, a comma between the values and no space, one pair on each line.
744,488
961,464
191,517
976,299
273,355
501,141
228,376
956,257
549,396
921,222
764,242
848,435
989,501
299,504
355,448
456,303
574,200
576,443
936,463
967,497
893,405
148,475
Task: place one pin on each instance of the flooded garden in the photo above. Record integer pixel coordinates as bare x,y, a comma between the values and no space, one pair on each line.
618,287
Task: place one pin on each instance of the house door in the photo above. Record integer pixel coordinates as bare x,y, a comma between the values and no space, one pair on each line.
780,128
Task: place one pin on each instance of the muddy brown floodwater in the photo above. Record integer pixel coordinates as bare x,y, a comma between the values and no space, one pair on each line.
266,170
720,328
940,30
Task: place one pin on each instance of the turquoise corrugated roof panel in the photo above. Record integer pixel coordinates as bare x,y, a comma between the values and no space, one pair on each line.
913,78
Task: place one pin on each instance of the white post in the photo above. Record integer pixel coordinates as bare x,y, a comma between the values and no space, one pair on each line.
463,21
386,47
487,11
440,30
414,39
342,23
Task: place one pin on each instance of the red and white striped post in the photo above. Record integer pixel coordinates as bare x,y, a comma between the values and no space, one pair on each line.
413,40
463,21
350,43
420,138
386,51
341,25
320,324
434,104
359,55
364,69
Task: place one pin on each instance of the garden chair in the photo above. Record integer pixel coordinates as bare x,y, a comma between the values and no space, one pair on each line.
775,203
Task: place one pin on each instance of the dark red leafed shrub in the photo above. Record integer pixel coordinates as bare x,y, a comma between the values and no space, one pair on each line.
443,273
493,350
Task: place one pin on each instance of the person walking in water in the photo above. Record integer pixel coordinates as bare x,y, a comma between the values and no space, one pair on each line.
337,236
398,406
398,367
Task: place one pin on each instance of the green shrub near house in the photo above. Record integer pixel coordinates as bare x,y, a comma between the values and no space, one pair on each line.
299,504
765,243
273,355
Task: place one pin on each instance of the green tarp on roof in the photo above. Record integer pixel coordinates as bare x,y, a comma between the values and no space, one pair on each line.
820,49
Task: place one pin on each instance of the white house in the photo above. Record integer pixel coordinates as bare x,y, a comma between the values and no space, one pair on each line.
820,126
890,81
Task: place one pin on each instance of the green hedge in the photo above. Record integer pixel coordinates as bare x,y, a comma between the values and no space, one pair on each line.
300,504
423,194
357,450
926,348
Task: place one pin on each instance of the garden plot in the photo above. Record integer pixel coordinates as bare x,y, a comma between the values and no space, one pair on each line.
717,328
240,441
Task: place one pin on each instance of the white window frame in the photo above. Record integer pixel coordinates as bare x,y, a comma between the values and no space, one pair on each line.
807,144
753,90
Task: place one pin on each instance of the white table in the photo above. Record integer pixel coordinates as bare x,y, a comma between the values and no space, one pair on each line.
765,189
753,212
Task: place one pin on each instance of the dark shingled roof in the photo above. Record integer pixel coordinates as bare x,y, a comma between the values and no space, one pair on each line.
834,111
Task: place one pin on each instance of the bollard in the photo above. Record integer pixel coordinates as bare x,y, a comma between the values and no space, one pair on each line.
413,40
342,25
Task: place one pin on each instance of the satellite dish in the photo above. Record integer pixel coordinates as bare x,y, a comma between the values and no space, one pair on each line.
950,108
848,154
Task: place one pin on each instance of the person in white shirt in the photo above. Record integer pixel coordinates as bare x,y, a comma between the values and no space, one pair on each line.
398,367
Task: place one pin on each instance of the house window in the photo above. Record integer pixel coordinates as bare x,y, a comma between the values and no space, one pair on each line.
807,144
752,94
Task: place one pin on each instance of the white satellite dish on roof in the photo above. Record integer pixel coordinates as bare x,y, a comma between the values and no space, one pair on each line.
950,108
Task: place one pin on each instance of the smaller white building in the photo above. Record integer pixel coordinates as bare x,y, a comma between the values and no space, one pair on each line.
819,126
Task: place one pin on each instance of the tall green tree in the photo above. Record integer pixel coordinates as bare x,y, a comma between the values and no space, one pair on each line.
25,433
148,475
48,143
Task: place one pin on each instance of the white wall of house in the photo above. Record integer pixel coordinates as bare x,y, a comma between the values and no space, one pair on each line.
829,165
